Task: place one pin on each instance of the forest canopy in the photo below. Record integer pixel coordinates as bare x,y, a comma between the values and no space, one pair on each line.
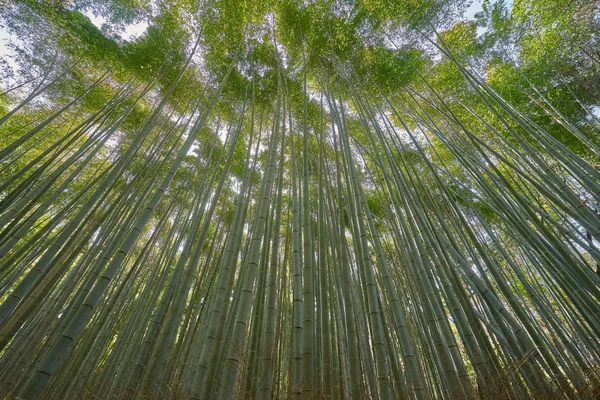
316,199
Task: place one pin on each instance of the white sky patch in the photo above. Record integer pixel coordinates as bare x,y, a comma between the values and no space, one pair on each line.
134,31
199,61
97,20
193,151
7,55
131,31
223,132
475,7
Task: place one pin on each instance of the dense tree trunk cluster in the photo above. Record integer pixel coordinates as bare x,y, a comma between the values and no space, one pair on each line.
336,240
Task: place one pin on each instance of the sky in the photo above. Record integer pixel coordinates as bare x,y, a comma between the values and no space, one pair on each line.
131,31
473,9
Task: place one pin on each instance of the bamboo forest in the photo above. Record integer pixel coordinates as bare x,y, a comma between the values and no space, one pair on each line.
299,199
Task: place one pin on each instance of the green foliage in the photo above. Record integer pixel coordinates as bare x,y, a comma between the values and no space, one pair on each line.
405,202
388,70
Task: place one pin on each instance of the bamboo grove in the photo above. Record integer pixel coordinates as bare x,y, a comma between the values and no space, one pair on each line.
286,223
